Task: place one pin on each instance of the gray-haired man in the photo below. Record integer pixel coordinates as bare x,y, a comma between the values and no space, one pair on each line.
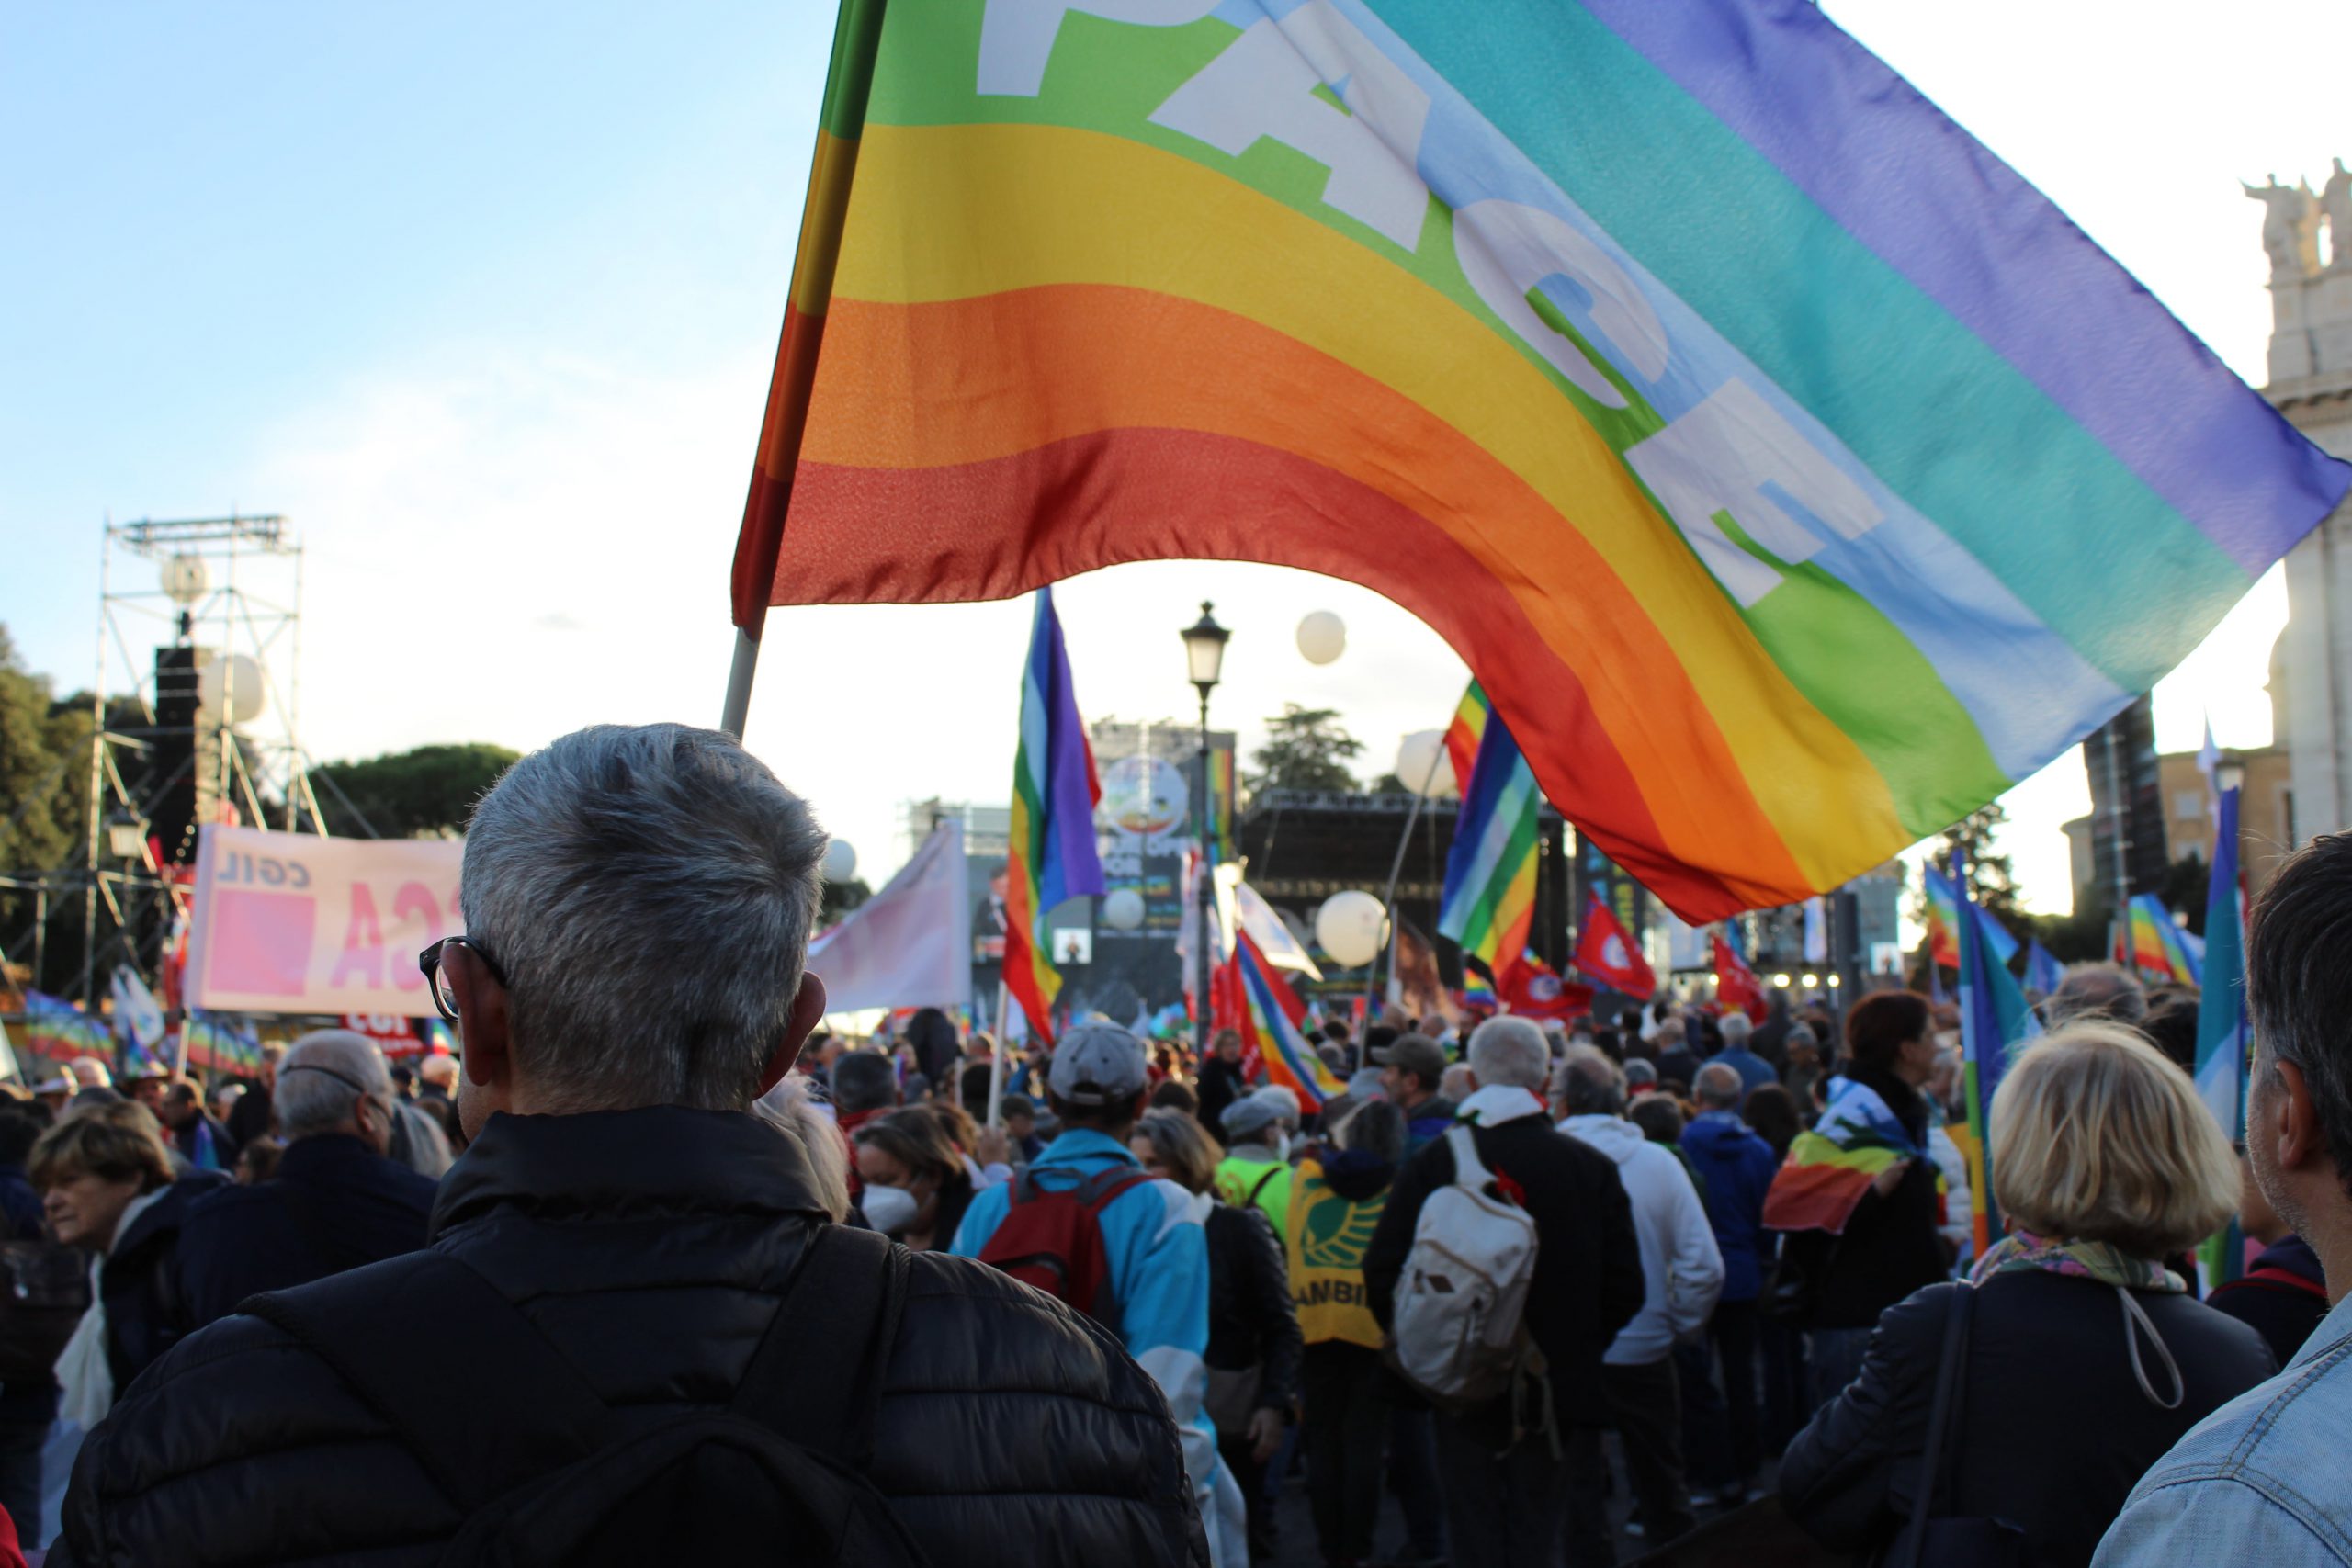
638,905
337,1203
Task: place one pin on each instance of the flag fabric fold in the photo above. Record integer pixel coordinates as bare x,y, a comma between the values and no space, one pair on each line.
217,1045
1347,286
2043,973
909,944
1829,1169
1993,1020
1536,991
2154,944
61,1031
1054,790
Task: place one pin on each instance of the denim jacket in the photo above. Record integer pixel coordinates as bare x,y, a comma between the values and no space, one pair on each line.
2262,1480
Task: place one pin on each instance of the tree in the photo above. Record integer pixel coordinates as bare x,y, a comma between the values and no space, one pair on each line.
404,794
1304,748
2188,882
1992,878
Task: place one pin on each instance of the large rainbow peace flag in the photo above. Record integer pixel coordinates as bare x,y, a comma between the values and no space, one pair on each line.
1270,1020
1744,424
1054,790
1488,901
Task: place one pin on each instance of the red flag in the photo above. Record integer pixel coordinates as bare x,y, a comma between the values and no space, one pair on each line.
1535,990
1735,983
1606,952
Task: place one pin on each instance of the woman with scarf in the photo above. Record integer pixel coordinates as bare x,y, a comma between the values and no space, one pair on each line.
1252,1355
105,1177
2077,1358
1859,1201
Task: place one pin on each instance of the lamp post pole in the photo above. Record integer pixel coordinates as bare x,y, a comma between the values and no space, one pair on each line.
1201,963
1204,660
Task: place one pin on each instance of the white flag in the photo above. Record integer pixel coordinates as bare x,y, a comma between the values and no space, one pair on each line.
1266,929
911,944
137,1015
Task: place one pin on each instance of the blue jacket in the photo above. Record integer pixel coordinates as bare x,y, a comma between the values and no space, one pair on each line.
1736,1167
334,1205
2260,1480
1753,1071
1160,1276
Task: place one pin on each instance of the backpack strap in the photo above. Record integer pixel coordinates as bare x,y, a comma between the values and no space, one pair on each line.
1468,1169
1094,1193
549,1417
803,1383
1943,1420
2285,1281
1265,1181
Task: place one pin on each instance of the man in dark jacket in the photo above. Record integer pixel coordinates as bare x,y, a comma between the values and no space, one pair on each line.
1734,1170
249,1117
638,905
1412,1066
336,1202
1505,1503
1222,1080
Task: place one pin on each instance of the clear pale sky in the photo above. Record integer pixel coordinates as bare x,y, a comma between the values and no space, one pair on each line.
484,298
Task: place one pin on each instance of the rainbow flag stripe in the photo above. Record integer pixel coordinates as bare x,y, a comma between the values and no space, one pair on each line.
1055,789
217,1045
1270,1015
1943,923
1462,735
2154,944
57,1030
1620,341
1829,1169
1488,901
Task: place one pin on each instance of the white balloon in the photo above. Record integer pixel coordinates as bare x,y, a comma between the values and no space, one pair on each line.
1422,765
236,680
1122,911
1322,637
184,579
841,860
1349,927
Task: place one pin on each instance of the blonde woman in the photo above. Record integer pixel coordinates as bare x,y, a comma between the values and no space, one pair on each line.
2078,1359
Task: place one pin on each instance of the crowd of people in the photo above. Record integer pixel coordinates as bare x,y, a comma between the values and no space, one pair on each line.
1523,1295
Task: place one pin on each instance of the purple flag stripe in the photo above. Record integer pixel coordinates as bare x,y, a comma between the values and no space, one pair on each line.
1998,256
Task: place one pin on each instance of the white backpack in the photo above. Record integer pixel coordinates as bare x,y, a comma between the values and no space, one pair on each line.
1458,1332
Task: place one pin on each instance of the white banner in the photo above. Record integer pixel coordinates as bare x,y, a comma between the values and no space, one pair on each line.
292,923
911,944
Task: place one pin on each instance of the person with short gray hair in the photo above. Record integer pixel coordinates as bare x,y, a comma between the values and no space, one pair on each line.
626,1242
1737,1054
337,1201
2262,1479
1506,1500
2097,990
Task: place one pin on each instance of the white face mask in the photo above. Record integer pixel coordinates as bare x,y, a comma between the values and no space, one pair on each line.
889,1210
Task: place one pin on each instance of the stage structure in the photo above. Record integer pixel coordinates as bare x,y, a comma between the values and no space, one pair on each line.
194,712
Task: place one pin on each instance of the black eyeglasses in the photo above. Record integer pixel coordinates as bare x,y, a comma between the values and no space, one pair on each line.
429,960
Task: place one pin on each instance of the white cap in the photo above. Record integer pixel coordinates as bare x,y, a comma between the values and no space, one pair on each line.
1097,1064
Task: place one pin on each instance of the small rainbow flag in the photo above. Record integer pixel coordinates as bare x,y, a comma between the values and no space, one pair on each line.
1055,789
1463,733
1270,1023
1943,923
2151,944
217,1045
1489,895
55,1028
1619,340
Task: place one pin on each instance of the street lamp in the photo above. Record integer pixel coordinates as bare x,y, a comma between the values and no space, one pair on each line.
1205,643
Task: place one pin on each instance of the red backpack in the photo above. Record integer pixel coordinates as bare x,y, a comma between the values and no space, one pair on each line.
1051,1239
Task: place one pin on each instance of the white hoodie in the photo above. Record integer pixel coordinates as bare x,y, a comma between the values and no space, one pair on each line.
1682,1269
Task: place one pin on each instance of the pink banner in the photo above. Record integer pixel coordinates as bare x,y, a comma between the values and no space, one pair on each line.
291,924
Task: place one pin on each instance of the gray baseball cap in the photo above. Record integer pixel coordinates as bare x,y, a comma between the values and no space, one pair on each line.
1416,1054
1097,1064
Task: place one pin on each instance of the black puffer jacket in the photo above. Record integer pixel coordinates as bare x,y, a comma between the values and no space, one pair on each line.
140,1282
2053,1430
651,1248
1252,1321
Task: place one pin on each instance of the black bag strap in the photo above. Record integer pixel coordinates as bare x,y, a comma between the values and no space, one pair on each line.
549,1417
1941,1416
802,1384
1265,1181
